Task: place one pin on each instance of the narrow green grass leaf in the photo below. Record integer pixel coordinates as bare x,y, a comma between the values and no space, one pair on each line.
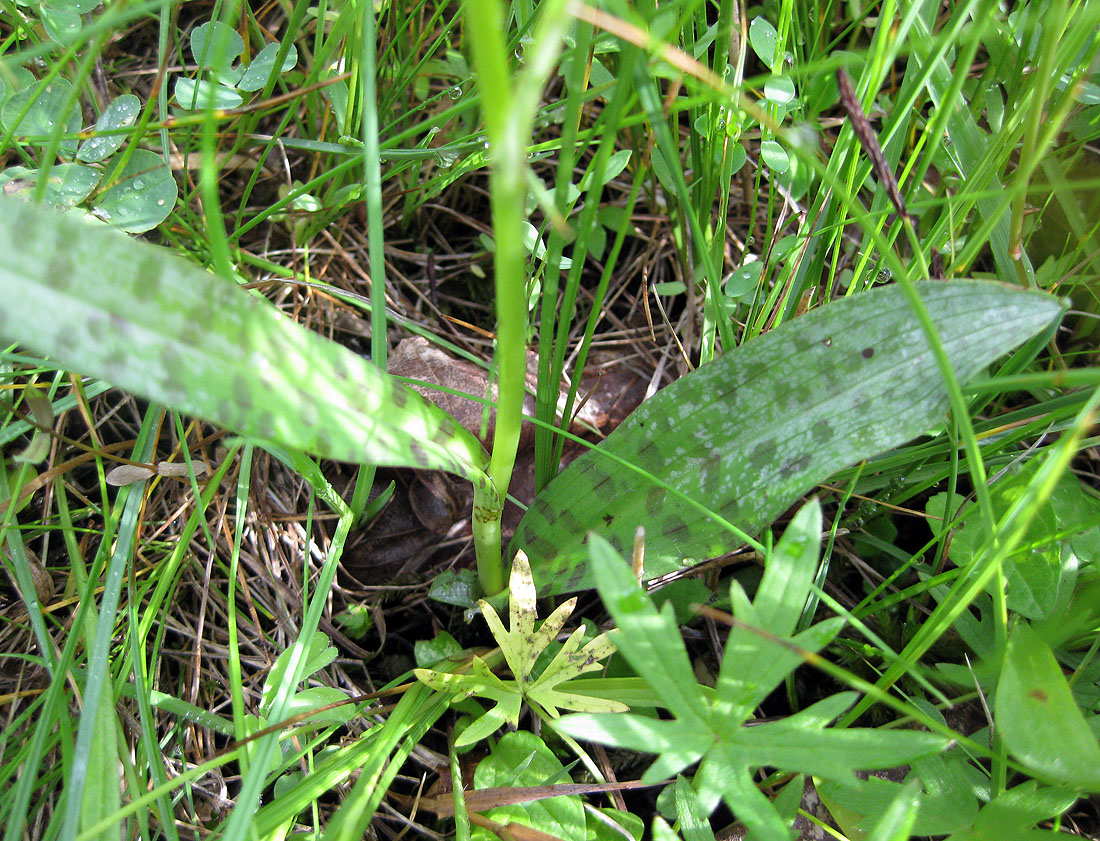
153,324
1038,717
101,797
746,435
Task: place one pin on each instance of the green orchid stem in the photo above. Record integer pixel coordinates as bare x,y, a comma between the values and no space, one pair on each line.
486,530
507,190
508,106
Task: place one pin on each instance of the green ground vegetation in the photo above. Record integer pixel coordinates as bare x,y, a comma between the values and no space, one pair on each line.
867,495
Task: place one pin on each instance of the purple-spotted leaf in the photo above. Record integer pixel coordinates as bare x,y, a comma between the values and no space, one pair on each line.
748,434
147,321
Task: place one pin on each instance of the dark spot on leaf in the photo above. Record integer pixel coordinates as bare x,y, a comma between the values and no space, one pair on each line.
340,367
242,392
419,455
114,364
608,519
712,475
793,466
264,424
731,509
445,432
654,500
762,455
539,509
570,524
1039,695
821,432
146,283
673,524
603,480
96,326
867,352
170,359
399,398
537,546
827,341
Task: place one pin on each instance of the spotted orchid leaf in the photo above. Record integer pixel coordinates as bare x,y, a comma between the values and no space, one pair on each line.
749,433
136,315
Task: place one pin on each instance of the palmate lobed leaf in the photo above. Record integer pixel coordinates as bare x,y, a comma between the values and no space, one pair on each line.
748,434
711,730
148,321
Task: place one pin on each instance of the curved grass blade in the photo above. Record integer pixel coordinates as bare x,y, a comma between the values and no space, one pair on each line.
152,323
748,434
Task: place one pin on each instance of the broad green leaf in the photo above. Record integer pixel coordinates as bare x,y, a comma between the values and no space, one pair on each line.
67,184
522,759
774,156
81,7
948,803
742,282
442,647
321,653
746,435
120,114
1037,717
615,164
258,71
48,109
152,323
763,38
321,696
779,89
899,816
191,94
12,80
614,825
1011,814
61,24
215,45
1041,575
142,195
61,18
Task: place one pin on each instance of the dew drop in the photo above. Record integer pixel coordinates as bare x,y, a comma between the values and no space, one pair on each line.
160,202
446,157
138,183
